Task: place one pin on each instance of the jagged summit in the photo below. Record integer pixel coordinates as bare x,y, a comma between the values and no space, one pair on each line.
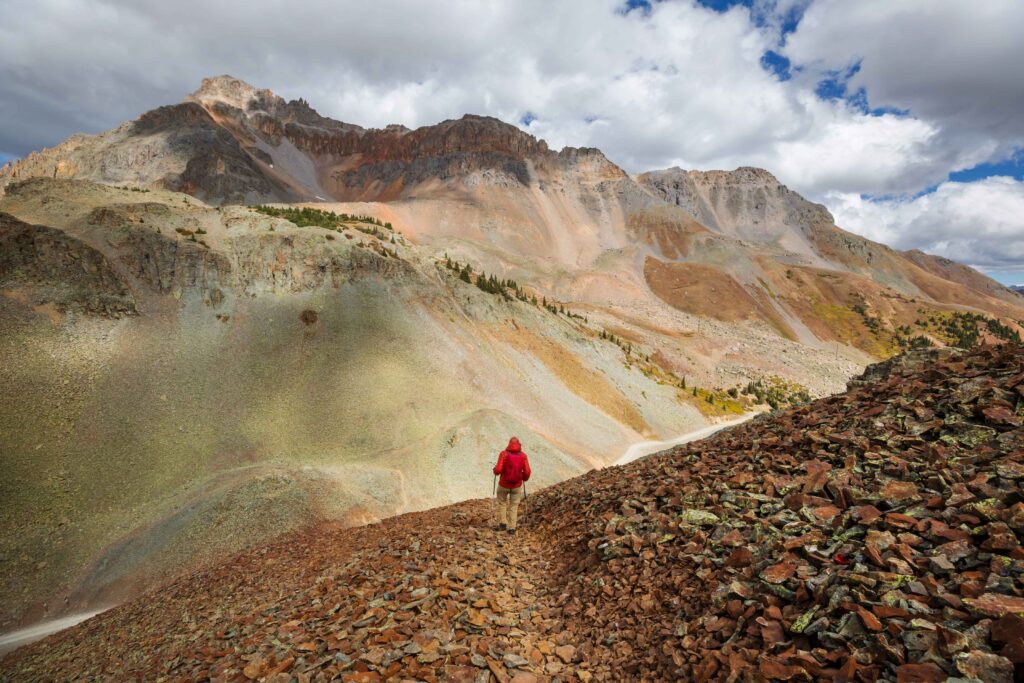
231,91
747,202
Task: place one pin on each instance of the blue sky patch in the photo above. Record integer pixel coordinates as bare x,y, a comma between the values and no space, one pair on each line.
1013,167
724,5
792,18
643,5
528,118
834,86
777,64
787,24
1006,277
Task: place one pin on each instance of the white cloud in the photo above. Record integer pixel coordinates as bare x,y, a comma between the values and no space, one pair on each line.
979,223
954,63
680,85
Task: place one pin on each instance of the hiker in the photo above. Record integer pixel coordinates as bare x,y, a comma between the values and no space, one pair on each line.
514,469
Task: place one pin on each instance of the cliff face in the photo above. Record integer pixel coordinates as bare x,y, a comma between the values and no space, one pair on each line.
47,266
230,142
748,203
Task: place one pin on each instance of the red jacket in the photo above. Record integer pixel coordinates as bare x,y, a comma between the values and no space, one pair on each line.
513,466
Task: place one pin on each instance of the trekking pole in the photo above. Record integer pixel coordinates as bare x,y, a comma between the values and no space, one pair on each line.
494,500
524,502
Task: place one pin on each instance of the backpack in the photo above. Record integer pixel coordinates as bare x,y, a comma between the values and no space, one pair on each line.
512,471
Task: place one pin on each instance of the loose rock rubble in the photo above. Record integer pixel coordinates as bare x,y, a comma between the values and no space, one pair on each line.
870,535
429,596
873,535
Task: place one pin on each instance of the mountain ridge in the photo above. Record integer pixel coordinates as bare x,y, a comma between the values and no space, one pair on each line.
237,129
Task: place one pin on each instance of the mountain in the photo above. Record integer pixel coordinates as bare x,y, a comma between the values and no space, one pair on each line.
871,535
187,373
571,220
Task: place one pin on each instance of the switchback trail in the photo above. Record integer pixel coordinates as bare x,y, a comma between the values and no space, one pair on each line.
15,639
639,450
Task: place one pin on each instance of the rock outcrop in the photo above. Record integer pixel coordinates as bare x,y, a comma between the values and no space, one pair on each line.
748,203
51,267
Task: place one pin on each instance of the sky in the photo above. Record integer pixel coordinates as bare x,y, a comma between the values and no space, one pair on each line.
904,117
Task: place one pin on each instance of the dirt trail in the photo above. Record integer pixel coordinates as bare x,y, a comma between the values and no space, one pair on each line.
14,639
435,595
639,450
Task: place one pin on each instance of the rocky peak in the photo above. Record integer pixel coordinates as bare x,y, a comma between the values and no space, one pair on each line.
592,161
747,202
744,175
474,133
231,91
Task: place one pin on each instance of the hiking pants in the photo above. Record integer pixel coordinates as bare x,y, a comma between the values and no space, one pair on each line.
508,505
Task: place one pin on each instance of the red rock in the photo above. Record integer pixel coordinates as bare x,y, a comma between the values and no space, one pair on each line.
900,521
778,573
900,491
774,669
1002,416
985,666
524,677
865,514
461,674
996,604
919,673
1008,628
255,669
361,677
869,620
826,512
740,557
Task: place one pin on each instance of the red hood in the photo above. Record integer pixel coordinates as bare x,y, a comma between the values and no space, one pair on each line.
514,445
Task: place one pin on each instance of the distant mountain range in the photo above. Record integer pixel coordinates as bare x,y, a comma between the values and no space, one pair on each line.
187,372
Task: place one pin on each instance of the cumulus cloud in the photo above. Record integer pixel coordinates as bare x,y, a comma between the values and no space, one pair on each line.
678,84
952,63
978,223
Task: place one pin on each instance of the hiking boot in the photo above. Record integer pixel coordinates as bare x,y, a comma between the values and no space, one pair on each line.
511,531
502,526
